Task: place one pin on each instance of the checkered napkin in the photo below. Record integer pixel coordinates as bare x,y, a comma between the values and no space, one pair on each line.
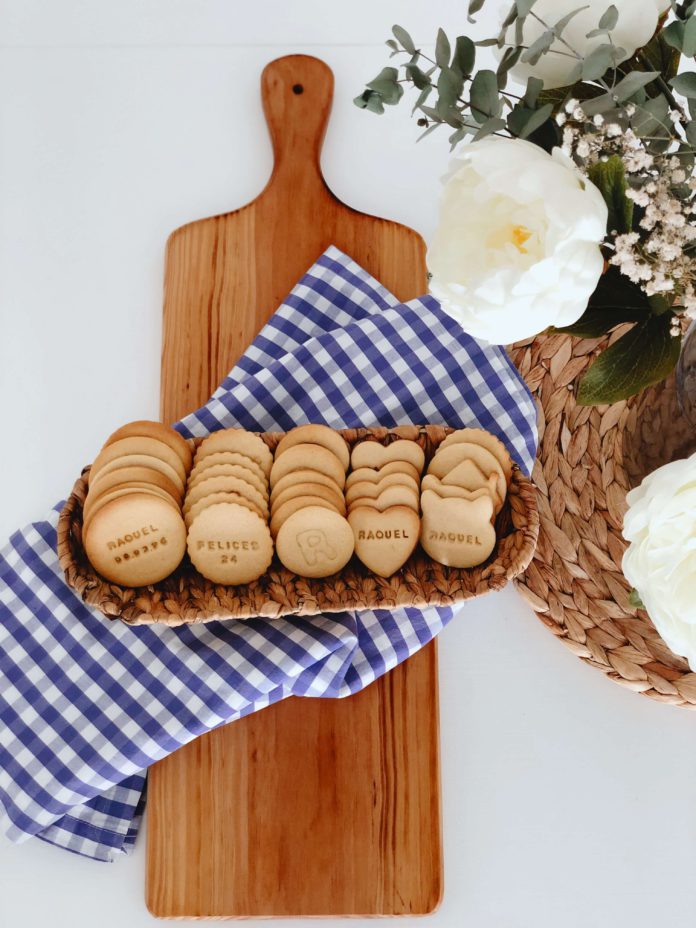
87,704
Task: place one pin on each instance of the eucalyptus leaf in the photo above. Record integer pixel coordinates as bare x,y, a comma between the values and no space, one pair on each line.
598,62
422,97
483,95
531,95
368,100
442,49
414,73
632,83
523,121
685,84
538,48
387,86
610,18
524,6
689,42
391,43
489,127
509,60
450,84
673,34
652,118
610,177
512,15
404,38
474,7
559,26
464,55
644,355
431,128
690,132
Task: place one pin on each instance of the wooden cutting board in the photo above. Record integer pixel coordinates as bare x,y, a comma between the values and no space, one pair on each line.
312,806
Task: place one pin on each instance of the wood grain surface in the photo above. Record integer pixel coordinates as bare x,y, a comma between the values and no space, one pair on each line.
312,806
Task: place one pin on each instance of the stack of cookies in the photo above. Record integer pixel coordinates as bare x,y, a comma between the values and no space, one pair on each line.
308,508
463,491
226,507
133,531
382,495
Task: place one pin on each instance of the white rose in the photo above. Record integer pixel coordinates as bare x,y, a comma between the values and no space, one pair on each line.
517,245
635,27
660,561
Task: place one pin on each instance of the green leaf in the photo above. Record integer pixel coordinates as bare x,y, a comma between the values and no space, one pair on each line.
369,100
509,60
524,6
673,34
404,38
632,83
559,26
450,84
598,62
643,356
391,43
422,97
690,131
634,600
414,73
538,48
652,118
560,95
464,55
522,121
685,84
615,301
689,42
442,49
483,95
387,86
610,177
474,7
531,95
609,18
489,127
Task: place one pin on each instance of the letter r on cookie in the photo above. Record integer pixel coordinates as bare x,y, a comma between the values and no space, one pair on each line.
312,543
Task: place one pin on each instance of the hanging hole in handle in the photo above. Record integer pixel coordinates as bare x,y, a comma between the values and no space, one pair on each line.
297,89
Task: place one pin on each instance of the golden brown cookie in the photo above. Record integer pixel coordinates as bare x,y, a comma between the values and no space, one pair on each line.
310,488
315,542
140,460
152,447
308,457
375,474
230,544
143,428
457,532
384,541
373,454
486,440
463,481
366,488
136,540
296,477
330,439
391,496
226,485
445,464
228,457
105,481
94,504
291,506
222,497
238,441
231,470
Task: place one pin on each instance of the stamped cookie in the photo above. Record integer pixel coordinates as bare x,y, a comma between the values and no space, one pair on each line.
230,544
296,477
315,542
135,446
458,532
139,460
431,484
463,475
143,428
316,435
93,504
365,488
372,454
391,496
308,457
384,541
228,457
375,474
231,470
486,440
239,441
105,481
330,494
226,485
221,497
136,540
445,464
282,513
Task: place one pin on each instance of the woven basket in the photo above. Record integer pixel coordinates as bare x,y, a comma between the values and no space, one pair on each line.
589,457
187,597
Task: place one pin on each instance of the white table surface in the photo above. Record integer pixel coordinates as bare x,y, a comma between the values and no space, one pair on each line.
568,801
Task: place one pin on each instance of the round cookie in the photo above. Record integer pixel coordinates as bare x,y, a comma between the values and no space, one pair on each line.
136,540
228,457
230,544
231,470
296,477
239,441
330,494
391,496
93,505
315,542
486,440
308,457
226,485
375,474
316,435
373,454
143,428
140,460
373,490
121,475
150,446
221,497
282,513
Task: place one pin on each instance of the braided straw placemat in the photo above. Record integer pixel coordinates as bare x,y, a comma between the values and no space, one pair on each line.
186,597
589,457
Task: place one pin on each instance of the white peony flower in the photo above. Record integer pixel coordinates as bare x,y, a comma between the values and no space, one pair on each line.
635,27
660,561
517,245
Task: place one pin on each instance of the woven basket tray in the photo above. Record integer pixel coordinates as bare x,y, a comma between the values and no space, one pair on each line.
187,597
589,457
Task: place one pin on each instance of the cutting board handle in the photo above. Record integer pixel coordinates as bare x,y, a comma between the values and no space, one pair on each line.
297,91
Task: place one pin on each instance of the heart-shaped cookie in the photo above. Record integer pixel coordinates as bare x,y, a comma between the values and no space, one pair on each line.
458,532
392,496
373,490
466,477
372,454
384,541
375,474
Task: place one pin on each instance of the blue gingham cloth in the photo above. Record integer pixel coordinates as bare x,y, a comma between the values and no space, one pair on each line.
87,704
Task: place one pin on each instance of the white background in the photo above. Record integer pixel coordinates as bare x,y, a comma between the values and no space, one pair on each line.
568,801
